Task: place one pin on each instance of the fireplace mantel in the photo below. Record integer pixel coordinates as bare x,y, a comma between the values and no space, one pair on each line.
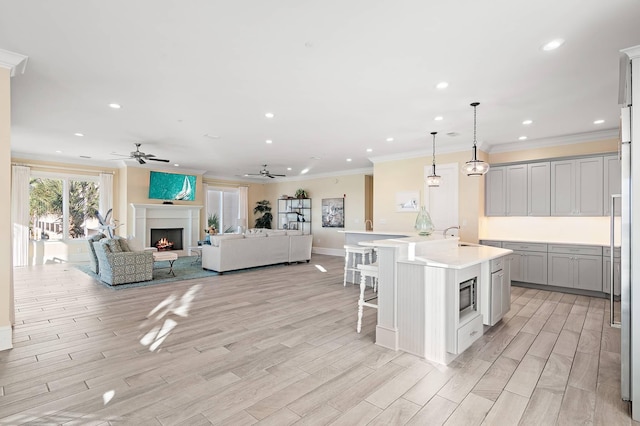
147,216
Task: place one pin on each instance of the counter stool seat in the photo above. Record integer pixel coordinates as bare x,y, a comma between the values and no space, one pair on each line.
370,270
351,253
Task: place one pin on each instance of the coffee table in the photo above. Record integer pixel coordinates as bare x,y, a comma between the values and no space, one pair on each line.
169,256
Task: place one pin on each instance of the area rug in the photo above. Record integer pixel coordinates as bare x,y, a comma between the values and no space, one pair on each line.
185,269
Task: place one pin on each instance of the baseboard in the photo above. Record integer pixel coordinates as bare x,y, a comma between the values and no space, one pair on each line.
6,338
328,251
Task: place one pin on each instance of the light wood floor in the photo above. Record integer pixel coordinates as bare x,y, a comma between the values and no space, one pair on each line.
278,346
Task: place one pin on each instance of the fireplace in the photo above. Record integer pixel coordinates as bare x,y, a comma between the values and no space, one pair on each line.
166,238
161,216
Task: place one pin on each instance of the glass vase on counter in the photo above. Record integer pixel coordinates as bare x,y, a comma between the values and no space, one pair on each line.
424,225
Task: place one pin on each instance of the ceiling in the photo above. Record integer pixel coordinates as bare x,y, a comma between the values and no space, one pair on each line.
195,79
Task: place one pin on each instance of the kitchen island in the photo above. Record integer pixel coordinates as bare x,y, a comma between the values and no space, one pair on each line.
419,293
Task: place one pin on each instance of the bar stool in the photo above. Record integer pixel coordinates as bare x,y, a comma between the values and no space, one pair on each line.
370,270
351,253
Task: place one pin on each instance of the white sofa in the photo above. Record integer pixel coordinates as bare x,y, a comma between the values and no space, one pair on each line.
230,252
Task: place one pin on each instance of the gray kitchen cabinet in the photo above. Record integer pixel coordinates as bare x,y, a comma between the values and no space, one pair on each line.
538,189
612,183
577,187
528,262
516,190
495,193
575,266
500,289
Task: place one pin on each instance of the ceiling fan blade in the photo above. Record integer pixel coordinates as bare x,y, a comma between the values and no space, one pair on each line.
158,159
141,161
271,176
149,155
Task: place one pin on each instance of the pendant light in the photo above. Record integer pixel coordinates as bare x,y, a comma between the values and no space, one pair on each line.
433,179
475,167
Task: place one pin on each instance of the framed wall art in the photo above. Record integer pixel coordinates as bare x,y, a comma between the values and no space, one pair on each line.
333,212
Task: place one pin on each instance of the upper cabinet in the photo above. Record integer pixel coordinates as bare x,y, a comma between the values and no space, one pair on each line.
569,187
577,187
495,195
517,190
612,183
538,189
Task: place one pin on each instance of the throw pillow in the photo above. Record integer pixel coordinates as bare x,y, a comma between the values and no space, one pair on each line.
124,244
114,245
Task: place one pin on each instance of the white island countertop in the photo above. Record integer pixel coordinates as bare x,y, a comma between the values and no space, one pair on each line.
459,257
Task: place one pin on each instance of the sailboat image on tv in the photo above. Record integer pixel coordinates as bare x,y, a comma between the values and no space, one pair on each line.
185,193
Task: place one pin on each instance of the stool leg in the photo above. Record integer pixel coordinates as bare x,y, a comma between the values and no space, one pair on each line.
346,266
363,282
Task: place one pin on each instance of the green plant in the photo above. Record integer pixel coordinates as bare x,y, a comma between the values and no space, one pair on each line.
301,193
213,220
263,208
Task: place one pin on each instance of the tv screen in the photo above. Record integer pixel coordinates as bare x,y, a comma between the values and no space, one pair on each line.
172,186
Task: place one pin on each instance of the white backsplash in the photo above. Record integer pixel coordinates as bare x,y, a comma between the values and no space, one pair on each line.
575,230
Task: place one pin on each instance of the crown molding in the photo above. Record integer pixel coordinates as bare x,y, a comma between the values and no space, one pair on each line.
555,141
13,61
632,52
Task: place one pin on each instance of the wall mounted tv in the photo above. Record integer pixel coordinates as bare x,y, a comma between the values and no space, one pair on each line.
172,186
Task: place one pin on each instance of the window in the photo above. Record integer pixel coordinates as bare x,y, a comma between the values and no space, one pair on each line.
223,204
63,207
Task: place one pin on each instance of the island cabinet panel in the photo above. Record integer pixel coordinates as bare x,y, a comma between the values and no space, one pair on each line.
430,324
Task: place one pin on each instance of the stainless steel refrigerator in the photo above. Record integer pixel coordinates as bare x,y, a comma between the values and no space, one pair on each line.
630,234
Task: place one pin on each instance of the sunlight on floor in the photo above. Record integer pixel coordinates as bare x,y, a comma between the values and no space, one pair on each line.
170,305
108,396
320,268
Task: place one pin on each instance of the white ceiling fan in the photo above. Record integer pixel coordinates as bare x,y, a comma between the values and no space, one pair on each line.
265,173
140,156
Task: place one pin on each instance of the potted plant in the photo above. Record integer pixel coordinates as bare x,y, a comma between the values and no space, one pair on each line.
301,193
264,209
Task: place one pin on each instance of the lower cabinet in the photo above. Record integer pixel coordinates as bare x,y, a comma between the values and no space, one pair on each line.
581,267
500,291
527,265
575,266
577,271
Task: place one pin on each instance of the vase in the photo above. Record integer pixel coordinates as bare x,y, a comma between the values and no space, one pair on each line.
424,225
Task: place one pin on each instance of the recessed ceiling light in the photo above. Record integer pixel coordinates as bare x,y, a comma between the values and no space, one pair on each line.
442,85
439,118
598,122
389,139
369,149
349,160
269,141
115,106
527,122
269,115
59,152
177,165
289,169
210,136
304,171
78,134
553,44
522,138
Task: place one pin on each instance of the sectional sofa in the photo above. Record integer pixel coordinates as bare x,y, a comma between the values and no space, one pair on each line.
257,247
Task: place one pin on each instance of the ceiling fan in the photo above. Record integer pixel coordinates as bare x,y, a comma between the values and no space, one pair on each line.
264,173
140,156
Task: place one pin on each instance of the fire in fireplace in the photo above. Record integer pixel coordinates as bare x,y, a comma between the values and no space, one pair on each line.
166,238
164,244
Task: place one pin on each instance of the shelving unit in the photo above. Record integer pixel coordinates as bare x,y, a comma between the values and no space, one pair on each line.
294,213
